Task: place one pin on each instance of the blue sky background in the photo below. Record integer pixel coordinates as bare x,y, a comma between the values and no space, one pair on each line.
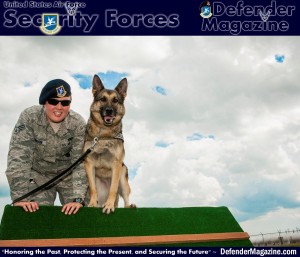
110,79
210,121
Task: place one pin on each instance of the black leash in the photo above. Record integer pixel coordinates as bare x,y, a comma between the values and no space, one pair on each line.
56,178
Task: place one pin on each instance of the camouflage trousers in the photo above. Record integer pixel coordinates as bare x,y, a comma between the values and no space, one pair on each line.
47,196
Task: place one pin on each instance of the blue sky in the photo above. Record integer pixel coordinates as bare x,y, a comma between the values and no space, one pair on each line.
160,90
197,136
162,144
110,79
279,58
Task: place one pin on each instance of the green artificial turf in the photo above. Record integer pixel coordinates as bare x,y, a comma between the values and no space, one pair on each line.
49,222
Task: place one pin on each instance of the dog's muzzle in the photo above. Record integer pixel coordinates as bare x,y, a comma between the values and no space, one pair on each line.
108,114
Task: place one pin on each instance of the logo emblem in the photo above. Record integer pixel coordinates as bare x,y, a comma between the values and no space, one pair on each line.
50,23
71,8
61,92
205,9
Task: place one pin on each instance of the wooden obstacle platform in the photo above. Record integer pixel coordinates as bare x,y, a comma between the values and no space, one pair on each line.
192,226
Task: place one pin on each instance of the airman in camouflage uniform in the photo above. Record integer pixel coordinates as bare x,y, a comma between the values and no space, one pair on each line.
46,140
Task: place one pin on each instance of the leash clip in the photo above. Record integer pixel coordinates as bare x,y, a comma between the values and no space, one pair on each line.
95,141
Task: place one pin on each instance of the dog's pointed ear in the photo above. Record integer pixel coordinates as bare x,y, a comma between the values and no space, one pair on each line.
121,88
97,85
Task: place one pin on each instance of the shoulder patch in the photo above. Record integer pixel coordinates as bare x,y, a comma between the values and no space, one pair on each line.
19,128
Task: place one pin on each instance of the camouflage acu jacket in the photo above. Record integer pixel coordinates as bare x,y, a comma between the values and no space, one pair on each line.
35,147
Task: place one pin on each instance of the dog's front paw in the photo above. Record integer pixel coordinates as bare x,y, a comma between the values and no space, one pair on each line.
131,206
93,204
108,207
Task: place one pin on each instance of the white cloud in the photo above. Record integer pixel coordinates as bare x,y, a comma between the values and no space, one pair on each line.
280,219
228,87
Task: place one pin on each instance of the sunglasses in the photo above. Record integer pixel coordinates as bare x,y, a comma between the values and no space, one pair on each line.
55,102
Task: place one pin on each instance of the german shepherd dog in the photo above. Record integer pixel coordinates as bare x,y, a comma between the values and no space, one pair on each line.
107,175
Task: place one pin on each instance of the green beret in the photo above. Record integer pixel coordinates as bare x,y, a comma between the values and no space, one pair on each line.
55,89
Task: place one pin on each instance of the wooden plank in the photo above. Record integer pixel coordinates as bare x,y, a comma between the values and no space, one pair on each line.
127,241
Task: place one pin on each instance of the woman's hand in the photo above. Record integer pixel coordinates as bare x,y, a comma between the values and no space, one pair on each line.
28,206
71,208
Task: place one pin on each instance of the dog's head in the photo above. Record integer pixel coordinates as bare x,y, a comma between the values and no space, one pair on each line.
108,105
